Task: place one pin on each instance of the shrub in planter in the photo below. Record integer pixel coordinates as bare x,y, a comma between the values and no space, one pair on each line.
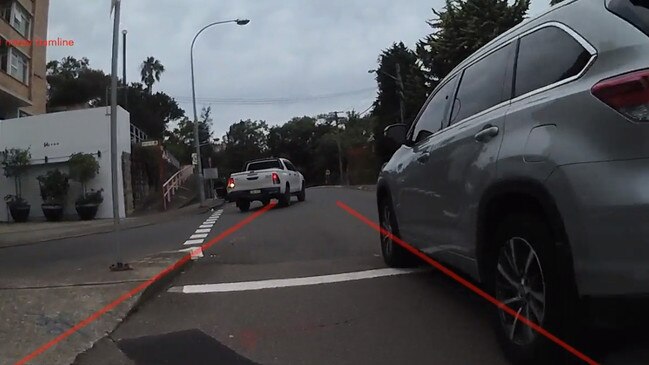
15,162
83,168
88,204
54,189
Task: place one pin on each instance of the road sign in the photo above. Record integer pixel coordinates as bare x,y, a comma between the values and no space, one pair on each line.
212,173
194,159
149,143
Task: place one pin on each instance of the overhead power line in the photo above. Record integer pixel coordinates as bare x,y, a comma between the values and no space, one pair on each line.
280,100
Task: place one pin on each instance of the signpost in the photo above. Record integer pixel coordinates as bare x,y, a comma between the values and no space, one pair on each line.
150,143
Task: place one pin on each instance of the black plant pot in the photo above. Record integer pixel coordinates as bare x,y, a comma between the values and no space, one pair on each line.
20,213
52,212
87,211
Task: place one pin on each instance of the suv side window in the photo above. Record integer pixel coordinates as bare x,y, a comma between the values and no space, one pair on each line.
484,84
436,112
546,56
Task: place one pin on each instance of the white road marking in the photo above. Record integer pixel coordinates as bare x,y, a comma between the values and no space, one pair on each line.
195,252
200,235
207,230
193,242
210,221
284,283
206,225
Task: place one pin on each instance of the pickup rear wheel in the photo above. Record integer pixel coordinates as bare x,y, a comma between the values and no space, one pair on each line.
285,199
243,205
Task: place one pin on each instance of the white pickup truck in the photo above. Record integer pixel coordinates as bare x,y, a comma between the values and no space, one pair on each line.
263,180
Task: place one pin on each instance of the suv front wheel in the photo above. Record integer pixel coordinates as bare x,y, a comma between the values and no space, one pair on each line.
393,254
525,277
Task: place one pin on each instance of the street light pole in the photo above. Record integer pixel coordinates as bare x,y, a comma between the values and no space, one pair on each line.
199,165
340,150
118,265
124,32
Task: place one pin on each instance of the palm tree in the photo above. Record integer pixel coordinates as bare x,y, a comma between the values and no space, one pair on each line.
150,71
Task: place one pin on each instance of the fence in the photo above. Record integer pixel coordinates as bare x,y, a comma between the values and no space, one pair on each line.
174,183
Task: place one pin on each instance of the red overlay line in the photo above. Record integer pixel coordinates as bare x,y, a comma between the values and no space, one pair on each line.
144,285
467,284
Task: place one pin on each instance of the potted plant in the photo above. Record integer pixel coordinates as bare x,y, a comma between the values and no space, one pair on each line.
83,168
15,162
54,188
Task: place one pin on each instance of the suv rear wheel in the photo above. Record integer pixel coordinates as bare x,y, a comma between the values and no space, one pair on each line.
393,254
525,277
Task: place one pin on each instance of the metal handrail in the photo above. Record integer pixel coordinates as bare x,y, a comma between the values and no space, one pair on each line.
174,183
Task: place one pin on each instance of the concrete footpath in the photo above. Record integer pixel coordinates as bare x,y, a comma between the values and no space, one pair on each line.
42,301
17,234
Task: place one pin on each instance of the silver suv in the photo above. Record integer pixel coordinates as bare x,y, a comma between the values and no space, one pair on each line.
528,168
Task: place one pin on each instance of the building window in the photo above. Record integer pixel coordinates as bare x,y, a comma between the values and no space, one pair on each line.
13,13
4,55
21,20
19,66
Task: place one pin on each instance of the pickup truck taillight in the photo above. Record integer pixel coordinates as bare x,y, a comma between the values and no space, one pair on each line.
275,178
230,183
628,94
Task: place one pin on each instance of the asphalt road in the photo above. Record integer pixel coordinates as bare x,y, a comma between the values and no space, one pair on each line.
413,318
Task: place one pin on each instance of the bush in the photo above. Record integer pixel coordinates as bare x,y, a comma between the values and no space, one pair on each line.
54,187
15,162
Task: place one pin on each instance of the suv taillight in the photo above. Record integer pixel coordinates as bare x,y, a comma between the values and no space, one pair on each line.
275,178
230,183
628,94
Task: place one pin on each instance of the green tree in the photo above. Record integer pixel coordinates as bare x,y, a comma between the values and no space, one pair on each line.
554,2
150,72
386,108
244,141
461,28
73,82
180,141
151,112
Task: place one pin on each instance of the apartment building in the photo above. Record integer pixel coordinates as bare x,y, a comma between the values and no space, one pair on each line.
23,84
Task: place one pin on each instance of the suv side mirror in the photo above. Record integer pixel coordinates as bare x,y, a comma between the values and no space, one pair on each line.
396,132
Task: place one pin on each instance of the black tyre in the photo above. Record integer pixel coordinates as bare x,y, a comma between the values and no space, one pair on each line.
265,202
394,255
301,196
243,205
285,199
525,275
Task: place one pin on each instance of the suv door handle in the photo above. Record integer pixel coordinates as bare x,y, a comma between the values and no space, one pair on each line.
487,133
424,157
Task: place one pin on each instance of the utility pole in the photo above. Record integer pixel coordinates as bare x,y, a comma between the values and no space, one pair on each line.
401,96
118,265
340,150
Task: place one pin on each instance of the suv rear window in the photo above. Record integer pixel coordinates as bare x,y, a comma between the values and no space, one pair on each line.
263,165
635,12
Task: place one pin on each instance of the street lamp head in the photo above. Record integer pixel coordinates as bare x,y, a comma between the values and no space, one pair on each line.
243,21
124,31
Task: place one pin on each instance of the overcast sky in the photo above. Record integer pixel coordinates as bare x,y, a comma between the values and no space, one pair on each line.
303,51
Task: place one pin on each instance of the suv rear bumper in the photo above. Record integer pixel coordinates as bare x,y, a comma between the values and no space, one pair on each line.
264,194
605,209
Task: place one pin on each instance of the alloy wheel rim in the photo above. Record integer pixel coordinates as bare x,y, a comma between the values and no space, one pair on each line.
520,285
387,226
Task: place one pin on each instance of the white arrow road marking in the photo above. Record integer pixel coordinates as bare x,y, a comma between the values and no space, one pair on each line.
284,283
195,252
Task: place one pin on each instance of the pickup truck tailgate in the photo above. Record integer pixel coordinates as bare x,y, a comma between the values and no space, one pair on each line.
252,180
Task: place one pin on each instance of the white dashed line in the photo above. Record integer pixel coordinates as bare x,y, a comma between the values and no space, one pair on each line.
193,242
284,283
199,236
